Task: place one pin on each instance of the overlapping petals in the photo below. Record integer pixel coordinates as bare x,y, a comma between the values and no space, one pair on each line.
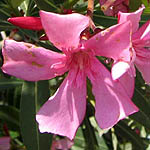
134,17
140,42
63,113
112,101
118,37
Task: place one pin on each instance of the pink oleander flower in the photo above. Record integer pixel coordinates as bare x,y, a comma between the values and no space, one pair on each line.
5,143
140,52
112,7
63,113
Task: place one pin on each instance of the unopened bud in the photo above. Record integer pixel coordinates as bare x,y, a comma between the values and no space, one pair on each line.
31,23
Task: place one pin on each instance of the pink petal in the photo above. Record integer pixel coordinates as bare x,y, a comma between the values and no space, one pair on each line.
5,143
142,62
32,23
113,42
28,62
119,68
64,30
112,101
127,82
63,113
134,17
142,36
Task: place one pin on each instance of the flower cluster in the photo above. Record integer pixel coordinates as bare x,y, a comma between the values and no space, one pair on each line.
124,42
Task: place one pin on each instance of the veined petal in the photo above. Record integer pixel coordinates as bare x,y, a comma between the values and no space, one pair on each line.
142,36
134,17
119,68
28,62
63,113
113,42
32,23
112,101
142,62
64,30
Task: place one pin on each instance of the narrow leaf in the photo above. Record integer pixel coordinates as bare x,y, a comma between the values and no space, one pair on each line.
11,120
9,83
33,96
43,93
126,132
29,127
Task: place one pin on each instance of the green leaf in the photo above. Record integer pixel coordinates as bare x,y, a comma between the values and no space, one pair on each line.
101,20
47,5
134,5
43,93
4,12
9,83
147,6
141,102
31,34
6,26
88,131
139,117
126,132
31,98
70,3
32,9
79,141
16,3
10,115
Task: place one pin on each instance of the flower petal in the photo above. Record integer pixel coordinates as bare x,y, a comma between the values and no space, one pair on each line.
142,62
64,30
5,143
112,42
112,101
119,68
127,82
142,36
63,113
134,17
28,62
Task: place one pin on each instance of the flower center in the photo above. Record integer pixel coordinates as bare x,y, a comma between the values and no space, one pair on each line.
80,59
